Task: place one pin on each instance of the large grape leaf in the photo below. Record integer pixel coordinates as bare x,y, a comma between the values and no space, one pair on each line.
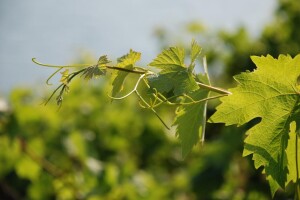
271,93
128,61
173,76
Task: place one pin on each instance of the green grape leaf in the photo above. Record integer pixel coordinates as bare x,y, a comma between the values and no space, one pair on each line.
174,75
170,60
195,52
103,61
128,61
190,121
64,76
270,93
93,72
96,70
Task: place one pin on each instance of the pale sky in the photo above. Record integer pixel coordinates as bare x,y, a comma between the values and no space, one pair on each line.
56,31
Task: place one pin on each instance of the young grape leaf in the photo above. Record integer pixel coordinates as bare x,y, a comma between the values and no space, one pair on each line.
102,61
64,76
195,52
174,75
271,93
92,72
96,70
128,61
190,120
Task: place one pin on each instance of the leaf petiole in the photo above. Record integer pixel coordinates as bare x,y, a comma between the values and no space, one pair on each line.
214,89
126,70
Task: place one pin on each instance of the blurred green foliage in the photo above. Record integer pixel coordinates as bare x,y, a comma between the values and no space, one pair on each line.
93,149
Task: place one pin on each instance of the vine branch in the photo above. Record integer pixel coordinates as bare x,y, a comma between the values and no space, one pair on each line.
126,70
214,89
59,66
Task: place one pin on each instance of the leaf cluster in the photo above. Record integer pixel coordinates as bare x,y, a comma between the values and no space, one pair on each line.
169,81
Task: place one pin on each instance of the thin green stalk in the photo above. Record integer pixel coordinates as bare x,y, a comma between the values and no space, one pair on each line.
214,89
59,66
166,100
126,70
205,104
140,71
191,102
47,81
47,101
152,109
206,69
132,91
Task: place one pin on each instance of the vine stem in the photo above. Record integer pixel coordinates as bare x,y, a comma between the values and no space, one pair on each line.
129,93
126,70
204,115
59,66
188,103
214,89
142,99
88,65
152,109
47,81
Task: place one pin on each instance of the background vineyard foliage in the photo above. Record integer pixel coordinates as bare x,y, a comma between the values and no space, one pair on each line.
94,149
